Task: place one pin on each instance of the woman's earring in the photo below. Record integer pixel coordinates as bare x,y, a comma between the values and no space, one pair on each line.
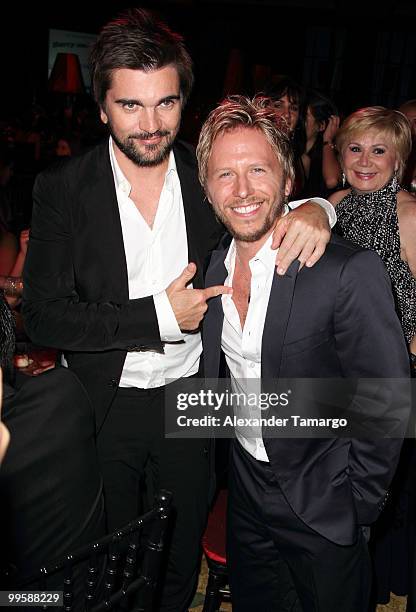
344,180
394,182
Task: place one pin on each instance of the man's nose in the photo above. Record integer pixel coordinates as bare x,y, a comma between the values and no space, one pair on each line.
243,186
149,120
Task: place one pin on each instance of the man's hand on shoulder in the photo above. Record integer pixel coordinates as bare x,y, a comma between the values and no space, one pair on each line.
301,234
190,305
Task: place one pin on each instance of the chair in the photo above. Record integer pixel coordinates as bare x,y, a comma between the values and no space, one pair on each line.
132,561
213,544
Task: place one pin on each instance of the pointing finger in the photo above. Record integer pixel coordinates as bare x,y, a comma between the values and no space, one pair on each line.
211,292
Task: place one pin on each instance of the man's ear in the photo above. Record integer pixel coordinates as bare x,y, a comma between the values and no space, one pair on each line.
103,115
207,196
288,187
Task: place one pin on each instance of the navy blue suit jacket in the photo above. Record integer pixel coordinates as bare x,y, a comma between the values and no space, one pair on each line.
335,320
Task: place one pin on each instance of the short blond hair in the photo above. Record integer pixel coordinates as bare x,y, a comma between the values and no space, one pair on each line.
392,123
240,111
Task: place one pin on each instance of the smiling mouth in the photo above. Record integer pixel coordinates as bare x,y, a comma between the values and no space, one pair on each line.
365,175
246,210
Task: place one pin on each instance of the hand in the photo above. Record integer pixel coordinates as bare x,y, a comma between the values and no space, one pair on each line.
4,432
23,240
331,129
190,305
301,234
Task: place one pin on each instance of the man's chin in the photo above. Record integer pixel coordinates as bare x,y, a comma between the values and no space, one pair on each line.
249,235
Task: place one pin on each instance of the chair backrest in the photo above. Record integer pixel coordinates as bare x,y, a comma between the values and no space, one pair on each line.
124,563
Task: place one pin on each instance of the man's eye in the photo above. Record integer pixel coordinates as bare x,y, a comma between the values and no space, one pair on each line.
294,109
258,170
225,174
129,105
277,104
167,103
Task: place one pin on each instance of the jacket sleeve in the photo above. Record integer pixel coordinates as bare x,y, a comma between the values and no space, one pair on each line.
54,314
372,351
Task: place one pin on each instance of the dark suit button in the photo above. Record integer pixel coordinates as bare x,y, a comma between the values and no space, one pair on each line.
206,450
112,383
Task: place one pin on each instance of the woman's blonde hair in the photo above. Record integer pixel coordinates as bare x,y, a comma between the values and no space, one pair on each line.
392,123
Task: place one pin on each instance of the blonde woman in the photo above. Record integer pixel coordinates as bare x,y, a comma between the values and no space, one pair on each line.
375,212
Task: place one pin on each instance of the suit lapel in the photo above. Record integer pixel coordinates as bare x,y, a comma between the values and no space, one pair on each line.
106,236
277,317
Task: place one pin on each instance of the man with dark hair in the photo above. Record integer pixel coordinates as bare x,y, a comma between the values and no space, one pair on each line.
117,236
298,505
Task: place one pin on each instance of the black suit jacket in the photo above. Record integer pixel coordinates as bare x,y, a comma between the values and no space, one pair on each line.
335,320
75,280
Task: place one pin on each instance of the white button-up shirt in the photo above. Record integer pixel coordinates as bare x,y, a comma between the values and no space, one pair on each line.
155,257
242,347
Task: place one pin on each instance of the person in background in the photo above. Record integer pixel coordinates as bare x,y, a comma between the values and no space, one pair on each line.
375,212
4,432
118,234
6,351
50,482
12,252
289,101
320,163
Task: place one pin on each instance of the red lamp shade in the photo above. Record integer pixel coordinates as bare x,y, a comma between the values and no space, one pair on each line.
66,75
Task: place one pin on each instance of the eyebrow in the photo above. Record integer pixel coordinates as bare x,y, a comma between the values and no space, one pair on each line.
140,103
378,144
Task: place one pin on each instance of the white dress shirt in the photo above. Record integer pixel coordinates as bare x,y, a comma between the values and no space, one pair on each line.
242,347
155,257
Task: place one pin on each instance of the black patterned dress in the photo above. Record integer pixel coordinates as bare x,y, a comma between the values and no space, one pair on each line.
370,220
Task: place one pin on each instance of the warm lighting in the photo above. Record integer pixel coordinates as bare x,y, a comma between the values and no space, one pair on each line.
66,76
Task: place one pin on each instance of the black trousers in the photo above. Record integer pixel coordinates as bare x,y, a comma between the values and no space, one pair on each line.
276,562
133,451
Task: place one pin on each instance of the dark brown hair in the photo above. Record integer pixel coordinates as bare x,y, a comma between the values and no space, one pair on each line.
138,41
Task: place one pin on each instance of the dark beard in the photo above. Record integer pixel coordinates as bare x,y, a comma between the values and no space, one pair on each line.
269,222
127,147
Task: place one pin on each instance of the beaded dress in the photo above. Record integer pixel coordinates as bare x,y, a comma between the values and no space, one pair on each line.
370,220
